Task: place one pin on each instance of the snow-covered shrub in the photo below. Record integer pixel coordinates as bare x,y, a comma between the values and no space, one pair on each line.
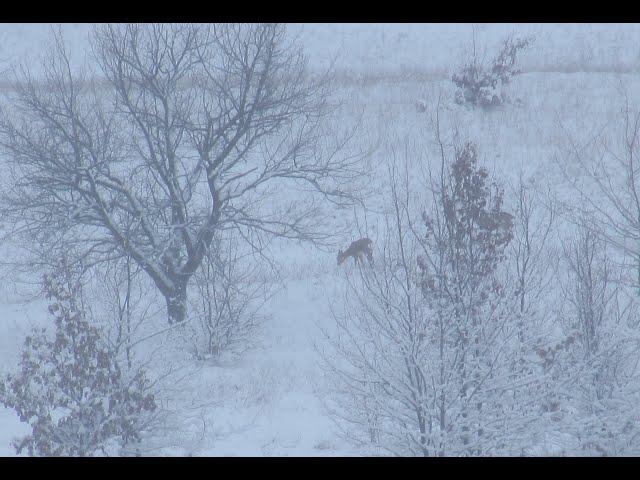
483,85
428,359
71,389
604,357
228,292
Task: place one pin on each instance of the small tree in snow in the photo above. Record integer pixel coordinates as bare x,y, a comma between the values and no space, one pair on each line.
608,187
603,379
228,292
71,389
603,265
465,245
483,85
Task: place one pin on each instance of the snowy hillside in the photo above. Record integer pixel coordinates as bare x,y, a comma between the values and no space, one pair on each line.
400,48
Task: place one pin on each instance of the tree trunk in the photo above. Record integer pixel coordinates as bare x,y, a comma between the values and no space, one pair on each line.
177,304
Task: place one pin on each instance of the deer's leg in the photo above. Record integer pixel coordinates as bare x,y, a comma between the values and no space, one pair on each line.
370,256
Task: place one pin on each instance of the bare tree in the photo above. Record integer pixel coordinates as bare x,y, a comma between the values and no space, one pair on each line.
600,291
591,288
530,252
378,358
198,129
601,363
120,300
229,292
607,184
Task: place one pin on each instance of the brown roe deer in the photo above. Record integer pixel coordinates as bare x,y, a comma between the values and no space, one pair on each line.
357,250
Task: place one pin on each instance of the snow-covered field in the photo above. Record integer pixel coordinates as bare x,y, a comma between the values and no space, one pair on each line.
270,401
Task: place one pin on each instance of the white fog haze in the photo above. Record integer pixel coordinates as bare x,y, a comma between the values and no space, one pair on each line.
319,239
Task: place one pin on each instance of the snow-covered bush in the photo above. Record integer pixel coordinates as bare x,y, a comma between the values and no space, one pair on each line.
604,356
483,85
428,358
228,292
71,389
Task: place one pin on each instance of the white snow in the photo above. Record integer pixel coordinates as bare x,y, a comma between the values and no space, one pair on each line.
270,401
